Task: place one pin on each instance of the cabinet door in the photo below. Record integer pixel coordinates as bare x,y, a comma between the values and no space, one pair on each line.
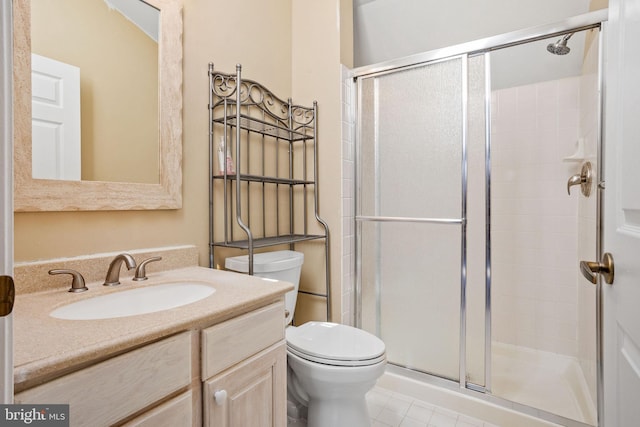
251,393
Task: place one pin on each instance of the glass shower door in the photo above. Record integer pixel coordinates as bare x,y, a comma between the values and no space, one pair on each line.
467,241
411,176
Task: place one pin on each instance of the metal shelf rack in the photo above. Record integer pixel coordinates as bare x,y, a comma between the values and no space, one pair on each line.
265,200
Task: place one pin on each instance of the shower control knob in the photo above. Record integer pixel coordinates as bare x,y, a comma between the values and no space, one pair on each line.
583,179
590,269
220,397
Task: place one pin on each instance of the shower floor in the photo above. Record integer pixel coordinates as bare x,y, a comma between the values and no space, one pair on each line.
547,381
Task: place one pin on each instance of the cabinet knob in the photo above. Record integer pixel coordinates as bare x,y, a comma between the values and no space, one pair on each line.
220,397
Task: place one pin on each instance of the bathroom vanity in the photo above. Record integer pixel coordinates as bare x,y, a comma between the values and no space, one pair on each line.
218,361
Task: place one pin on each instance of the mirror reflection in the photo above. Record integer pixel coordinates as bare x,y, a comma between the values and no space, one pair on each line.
95,90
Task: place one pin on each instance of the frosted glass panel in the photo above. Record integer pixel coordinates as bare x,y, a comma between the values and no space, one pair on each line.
410,165
415,271
411,142
368,162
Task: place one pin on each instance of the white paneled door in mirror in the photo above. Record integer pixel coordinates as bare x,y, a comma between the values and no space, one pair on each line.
55,120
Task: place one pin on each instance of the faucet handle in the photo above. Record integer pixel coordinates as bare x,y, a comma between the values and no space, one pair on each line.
77,283
141,273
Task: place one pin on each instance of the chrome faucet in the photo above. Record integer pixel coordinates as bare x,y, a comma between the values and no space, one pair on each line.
113,273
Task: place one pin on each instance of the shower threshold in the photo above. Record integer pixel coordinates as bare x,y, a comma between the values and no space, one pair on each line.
518,400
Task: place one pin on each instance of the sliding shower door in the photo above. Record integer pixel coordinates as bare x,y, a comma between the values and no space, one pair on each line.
470,222
411,201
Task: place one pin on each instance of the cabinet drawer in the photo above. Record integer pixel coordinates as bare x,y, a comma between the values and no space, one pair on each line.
176,412
230,342
116,388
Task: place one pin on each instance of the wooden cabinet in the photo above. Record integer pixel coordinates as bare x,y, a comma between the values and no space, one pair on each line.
251,393
244,370
231,374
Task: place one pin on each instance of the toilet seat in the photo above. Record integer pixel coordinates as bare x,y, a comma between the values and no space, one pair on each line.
333,362
334,344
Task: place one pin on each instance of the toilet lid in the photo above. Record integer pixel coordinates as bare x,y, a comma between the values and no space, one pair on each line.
335,344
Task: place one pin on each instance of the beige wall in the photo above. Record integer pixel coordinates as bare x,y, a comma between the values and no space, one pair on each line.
316,75
300,59
346,33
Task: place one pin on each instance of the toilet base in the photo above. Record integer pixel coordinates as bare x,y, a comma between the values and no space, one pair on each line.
338,413
334,395
296,412
334,413
296,422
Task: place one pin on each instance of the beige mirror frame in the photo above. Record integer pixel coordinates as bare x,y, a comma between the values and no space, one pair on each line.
32,195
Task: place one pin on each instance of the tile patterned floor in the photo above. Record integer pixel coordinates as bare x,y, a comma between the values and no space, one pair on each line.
390,409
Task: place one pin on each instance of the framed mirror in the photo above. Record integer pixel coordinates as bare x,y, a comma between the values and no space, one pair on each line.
165,192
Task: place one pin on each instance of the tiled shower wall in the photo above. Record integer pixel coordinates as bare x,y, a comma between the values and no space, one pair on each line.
534,221
348,188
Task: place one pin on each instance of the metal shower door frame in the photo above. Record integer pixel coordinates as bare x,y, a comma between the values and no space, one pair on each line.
586,21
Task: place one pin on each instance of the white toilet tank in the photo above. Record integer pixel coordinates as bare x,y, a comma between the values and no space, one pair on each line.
277,265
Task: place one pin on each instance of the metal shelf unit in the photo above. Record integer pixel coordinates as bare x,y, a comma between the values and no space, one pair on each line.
265,200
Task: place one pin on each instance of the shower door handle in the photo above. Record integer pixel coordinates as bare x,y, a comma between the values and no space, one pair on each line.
590,269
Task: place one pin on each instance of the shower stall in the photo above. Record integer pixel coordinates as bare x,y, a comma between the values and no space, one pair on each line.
469,229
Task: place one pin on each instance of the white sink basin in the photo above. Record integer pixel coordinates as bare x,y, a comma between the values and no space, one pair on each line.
135,301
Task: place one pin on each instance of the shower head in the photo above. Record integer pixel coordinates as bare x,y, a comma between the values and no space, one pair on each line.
560,47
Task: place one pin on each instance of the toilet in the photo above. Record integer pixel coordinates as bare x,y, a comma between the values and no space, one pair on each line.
330,366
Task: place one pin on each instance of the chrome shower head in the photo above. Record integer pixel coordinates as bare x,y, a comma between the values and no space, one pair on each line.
560,47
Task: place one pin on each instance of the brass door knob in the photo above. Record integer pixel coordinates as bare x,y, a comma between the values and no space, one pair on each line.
7,295
590,269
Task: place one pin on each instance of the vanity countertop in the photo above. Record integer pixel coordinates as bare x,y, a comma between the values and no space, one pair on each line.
46,347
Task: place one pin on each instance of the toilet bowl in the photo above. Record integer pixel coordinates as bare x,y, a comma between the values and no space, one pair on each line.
331,369
330,366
